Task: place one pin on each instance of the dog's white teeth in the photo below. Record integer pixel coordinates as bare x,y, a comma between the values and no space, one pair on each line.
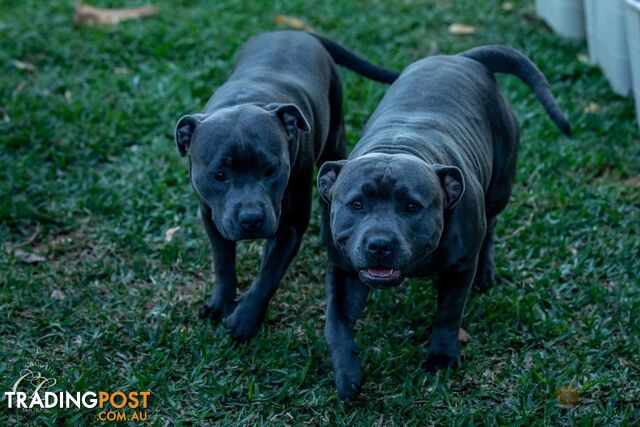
380,272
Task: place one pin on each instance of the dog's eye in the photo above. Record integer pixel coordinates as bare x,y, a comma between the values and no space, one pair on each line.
270,172
220,177
413,207
356,205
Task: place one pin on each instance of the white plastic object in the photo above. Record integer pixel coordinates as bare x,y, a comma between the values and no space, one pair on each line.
633,44
565,17
607,40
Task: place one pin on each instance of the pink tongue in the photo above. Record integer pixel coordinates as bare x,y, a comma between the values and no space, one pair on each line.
380,272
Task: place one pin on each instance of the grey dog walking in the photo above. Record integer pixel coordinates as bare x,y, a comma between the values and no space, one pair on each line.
420,193
252,153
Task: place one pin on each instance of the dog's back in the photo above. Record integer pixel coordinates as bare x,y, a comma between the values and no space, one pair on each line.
453,109
277,66
292,56
446,105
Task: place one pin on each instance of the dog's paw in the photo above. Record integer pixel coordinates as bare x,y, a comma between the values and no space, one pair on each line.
244,323
349,382
435,362
484,279
216,308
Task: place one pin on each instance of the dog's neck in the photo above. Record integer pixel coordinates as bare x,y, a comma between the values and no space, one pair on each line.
412,154
401,149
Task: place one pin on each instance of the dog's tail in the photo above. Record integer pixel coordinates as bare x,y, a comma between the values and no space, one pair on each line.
350,60
503,59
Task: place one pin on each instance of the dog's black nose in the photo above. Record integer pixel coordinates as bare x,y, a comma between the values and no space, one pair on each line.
251,219
379,246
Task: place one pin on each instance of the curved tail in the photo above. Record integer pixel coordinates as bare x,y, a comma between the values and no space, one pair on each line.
503,59
350,60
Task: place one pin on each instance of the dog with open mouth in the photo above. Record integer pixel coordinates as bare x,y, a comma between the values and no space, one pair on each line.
420,193
252,153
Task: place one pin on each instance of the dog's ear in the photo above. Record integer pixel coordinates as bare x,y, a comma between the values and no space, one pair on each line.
185,129
291,118
327,177
293,122
452,183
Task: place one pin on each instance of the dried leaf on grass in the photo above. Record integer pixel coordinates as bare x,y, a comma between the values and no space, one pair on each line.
463,336
568,396
58,294
30,239
170,233
507,6
93,16
24,66
28,257
593,107
291,22
461,29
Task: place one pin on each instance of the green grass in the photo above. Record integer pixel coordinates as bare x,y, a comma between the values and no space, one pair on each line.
88,169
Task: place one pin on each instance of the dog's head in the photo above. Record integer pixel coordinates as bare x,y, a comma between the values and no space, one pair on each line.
240,159
387,211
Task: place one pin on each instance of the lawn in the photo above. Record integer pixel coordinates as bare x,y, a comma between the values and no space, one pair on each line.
90,181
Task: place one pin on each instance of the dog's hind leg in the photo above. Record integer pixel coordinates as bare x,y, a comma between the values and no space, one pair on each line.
336,152
335,147
496,200
505,149
485,272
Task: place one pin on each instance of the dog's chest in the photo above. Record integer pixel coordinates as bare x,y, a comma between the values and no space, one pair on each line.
429,266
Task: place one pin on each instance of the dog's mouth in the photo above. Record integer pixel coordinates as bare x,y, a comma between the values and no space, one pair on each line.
379,277
381,273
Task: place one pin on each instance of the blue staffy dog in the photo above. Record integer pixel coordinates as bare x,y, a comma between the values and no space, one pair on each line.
420,193
252,153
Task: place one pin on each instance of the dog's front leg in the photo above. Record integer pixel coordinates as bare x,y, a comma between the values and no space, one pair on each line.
223,300
453,289
244,322
346,298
